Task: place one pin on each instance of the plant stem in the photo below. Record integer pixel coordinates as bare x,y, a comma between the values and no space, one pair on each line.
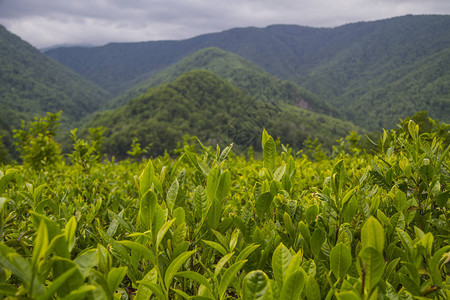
420,208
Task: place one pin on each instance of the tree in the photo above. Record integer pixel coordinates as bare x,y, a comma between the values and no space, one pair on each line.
36,144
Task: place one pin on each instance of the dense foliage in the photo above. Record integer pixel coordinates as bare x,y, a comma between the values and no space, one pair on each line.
398,66
36,144
219,226
202,104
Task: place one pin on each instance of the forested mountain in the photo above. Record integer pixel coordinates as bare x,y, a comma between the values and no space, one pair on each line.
202,104
363,67
240,73
31,83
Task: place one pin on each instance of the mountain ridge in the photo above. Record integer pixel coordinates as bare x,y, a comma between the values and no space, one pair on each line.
240,73
330,62
200,103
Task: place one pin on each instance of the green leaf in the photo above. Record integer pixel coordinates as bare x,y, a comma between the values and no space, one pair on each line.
383,218
214,214
162,232
390,268
256,286
338,177
117,248
80,292
82,266
154,287
409,284
247,251
340,260
5,179
160,218
234,239
400,200
8,289
304,231
179,235
224,241
288,225
312,288
439,162
53,228
104,259
294,265
172,194
317,239
347,295
373,266
174,266
279,173
53,287
265,137
224,185
196,277
181,293
281,259
405,239
293,286
146,178
59,246
221,263
372,234
147,209
413,129
269,154
40,246
144,292
212,184
263,204
223,156
201,202
38,192
426,172
85,261
216,246
228,276
115,277
2,203
434,262
69,232
118,217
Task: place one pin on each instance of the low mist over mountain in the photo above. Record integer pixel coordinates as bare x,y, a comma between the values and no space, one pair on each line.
365,69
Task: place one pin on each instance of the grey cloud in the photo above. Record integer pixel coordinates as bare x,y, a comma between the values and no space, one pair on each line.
47,22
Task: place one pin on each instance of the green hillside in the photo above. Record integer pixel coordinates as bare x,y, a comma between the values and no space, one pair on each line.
403,91
240,73
202,104
31,83
346,65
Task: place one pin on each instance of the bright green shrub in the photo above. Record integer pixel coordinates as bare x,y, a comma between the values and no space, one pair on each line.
36,143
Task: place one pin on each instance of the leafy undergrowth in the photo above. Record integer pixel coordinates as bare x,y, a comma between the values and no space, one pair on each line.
213,225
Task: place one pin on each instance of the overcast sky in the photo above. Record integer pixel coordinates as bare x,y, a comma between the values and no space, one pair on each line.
45,23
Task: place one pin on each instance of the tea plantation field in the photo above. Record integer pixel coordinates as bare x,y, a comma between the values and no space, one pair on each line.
212,224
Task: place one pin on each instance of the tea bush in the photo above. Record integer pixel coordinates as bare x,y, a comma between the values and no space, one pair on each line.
215,225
